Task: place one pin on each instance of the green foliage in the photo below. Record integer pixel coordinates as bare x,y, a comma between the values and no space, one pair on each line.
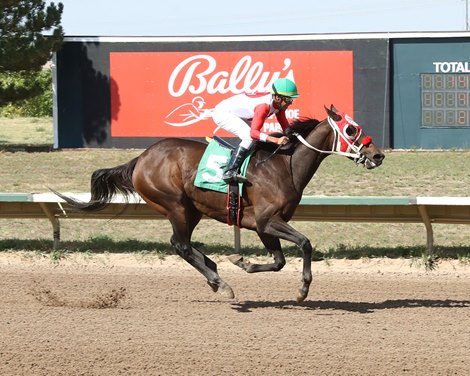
39,105
57,255
23,25
29,32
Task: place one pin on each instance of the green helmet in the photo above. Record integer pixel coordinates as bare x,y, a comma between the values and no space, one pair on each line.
284,87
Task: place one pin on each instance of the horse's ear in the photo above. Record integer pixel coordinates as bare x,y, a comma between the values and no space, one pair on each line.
332,113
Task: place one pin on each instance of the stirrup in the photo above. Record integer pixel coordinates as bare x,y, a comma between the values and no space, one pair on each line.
233,177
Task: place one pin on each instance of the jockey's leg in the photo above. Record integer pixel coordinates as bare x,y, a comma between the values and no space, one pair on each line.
236,160
240,128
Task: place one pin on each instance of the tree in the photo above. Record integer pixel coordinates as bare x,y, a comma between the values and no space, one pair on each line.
29,33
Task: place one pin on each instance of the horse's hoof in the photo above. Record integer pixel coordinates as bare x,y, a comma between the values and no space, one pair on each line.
236,260
301,296
226,290
213,286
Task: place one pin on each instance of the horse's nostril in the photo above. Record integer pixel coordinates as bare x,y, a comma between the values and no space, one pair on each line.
379,157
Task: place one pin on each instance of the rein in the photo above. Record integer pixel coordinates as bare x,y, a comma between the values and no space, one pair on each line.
356,155
269,156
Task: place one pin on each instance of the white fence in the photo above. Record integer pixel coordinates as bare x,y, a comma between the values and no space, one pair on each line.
426,210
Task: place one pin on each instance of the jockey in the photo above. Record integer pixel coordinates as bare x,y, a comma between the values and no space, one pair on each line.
244,116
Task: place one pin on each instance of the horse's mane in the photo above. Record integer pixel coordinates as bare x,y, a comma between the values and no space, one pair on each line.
302,126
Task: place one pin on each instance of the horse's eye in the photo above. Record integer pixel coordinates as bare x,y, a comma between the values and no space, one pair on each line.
351,131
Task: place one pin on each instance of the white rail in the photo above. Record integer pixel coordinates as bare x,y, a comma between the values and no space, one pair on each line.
426,210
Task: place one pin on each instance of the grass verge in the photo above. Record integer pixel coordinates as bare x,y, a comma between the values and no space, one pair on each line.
27,134
107,245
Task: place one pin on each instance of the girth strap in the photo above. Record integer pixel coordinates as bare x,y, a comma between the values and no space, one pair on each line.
234,204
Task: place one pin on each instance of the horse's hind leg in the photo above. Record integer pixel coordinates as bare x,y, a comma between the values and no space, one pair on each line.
181,240
273,245
204,265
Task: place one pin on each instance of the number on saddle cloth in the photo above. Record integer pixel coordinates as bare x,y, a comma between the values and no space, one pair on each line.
212,165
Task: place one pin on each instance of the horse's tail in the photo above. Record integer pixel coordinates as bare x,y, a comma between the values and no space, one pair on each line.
105,184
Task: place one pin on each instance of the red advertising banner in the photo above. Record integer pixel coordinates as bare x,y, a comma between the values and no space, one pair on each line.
168,94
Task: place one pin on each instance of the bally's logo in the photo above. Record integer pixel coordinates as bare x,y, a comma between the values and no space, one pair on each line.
189,77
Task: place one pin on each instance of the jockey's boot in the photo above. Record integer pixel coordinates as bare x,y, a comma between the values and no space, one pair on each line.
236,160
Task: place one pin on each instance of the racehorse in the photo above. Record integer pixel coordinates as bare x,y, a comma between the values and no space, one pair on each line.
163,175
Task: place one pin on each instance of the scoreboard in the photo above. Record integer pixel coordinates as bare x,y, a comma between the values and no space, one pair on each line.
445,100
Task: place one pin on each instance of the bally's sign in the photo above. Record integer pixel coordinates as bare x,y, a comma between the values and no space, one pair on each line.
166,94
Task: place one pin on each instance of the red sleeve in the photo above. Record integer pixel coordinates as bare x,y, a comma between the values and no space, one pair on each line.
281,118
261,113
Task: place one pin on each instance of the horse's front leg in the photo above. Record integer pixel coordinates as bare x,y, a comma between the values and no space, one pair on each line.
280,229
273,245
307,269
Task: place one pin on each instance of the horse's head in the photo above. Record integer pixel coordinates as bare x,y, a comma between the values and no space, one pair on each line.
351,141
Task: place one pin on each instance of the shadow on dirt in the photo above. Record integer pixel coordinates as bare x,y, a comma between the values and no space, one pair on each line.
356,307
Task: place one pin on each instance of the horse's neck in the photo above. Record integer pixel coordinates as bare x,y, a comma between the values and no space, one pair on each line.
305,161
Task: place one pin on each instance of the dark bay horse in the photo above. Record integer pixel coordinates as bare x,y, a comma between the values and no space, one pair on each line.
164,174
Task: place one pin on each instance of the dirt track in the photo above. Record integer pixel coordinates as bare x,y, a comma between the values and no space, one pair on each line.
130,315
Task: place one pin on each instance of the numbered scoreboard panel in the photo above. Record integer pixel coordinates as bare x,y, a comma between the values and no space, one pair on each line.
445,100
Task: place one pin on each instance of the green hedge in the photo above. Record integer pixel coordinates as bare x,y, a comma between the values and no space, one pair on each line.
38,106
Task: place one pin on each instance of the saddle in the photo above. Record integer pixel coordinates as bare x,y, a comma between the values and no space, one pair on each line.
209,176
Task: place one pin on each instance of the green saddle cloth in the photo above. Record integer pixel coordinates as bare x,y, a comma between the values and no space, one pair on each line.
211,168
